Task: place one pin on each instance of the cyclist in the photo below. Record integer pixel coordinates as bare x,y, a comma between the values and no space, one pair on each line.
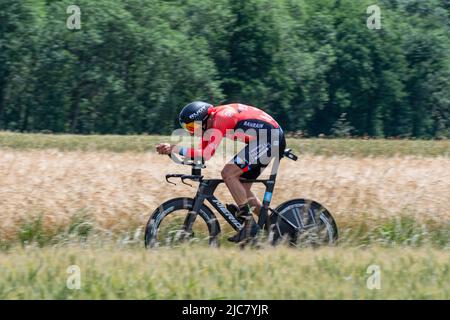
264,141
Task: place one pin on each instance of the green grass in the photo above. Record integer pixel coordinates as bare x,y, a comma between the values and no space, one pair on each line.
373,148
402,230
65,142
399,231
33,231
144,143
227,273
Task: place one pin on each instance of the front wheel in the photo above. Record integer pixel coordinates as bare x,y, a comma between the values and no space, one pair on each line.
303,222
166,226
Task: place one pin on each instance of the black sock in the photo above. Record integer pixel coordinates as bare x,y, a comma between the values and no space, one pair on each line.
244,212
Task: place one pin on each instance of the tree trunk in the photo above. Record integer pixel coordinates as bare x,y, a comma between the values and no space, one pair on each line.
75,110
2,105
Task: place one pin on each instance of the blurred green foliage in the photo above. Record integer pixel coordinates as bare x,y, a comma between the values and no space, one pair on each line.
135,63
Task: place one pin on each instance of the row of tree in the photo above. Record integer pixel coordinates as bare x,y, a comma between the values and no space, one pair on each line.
314,64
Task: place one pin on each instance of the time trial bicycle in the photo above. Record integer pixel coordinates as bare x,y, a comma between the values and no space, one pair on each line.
299,222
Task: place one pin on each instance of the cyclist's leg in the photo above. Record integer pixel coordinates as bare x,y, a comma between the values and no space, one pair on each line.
252,199
243,166
253,159
274,149
250,166
231,174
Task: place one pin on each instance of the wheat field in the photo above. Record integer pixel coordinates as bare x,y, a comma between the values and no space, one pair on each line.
88,208
118,191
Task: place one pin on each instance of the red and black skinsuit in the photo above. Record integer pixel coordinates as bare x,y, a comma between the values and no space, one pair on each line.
262,135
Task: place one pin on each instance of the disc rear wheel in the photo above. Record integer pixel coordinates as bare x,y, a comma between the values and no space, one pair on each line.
303,223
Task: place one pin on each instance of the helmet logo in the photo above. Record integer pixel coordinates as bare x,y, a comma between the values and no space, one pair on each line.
199,111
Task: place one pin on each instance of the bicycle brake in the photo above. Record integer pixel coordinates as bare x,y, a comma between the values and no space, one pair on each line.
167,179
182,180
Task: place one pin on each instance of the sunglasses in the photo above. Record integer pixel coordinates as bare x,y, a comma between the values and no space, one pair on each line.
192,126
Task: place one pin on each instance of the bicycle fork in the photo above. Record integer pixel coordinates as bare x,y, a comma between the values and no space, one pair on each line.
192,214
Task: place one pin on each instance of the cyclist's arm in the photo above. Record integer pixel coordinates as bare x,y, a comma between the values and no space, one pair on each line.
192,153
211,139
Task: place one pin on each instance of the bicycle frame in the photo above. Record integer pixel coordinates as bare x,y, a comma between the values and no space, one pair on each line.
206,191
207,188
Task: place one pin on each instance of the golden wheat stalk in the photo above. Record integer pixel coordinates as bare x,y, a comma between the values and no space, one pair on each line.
120,190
